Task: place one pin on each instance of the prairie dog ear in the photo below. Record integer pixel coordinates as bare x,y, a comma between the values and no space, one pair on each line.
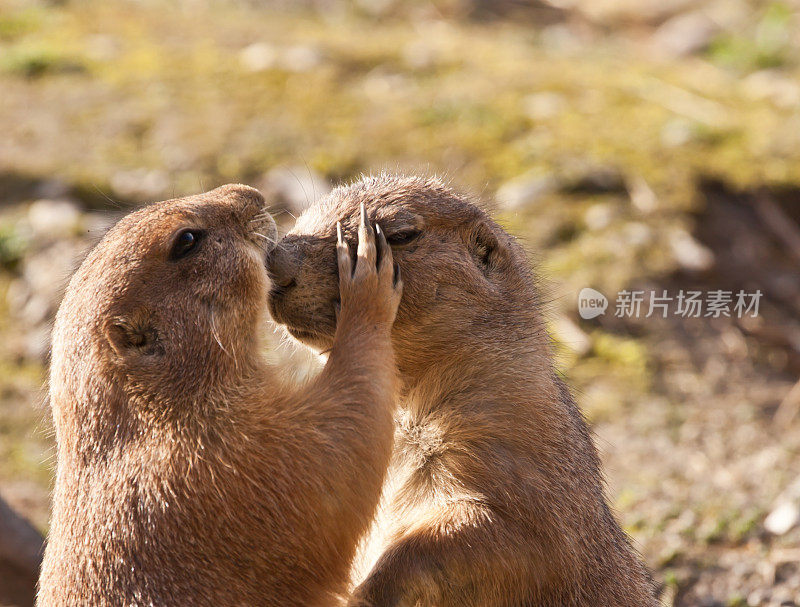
134,333
484,246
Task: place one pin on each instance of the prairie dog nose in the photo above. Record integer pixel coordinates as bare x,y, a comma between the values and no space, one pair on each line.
283,265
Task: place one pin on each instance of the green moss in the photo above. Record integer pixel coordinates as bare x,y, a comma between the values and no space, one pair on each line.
17,23
12,245
769,45
621,351
37,60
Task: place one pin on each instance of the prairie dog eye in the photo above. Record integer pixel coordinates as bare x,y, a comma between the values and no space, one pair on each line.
402,237
185,242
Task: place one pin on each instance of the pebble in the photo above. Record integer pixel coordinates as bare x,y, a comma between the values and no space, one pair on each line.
599,216
684,34
690,254
642,196
540,106
774,85
300,58
782,518
258,57
525,190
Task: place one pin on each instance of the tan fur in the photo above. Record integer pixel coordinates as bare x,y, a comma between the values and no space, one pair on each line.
495,494
187,474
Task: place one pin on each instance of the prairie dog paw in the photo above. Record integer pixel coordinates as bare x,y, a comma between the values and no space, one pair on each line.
371,287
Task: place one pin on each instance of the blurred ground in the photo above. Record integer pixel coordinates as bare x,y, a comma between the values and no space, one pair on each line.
629,144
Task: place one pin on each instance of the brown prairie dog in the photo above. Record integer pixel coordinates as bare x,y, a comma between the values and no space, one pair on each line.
495,494
187,473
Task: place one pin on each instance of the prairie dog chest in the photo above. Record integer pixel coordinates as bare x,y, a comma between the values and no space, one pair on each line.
418,442
423,469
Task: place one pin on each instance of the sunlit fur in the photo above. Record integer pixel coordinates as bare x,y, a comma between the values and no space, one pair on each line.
187,474
495,494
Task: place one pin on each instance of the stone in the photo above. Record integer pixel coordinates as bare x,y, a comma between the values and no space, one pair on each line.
543,105
685,34
782,518
690,254
774,85
677,132
258,57
642,195
637,234
300,58
525,190
599,216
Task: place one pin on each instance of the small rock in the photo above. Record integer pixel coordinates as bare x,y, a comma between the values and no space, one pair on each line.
637,234
541,106
677,132
642,195
779,88
690,254
379,85
525,190
420,54
293,188
52,219
300,58
684,34
755,598
599,216
782,518
258,57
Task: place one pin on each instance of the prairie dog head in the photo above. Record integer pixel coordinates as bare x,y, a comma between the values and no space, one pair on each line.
166,306
461,272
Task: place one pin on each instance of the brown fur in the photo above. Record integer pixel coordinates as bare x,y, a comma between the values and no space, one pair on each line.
187,474
495,494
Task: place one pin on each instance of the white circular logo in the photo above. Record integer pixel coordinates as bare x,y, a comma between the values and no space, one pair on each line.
591,303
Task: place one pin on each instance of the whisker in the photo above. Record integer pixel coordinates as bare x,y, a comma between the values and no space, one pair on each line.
267,238
215,335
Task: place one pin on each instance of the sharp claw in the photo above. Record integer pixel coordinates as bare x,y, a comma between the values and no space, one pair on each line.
380,245
339,232
363,215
